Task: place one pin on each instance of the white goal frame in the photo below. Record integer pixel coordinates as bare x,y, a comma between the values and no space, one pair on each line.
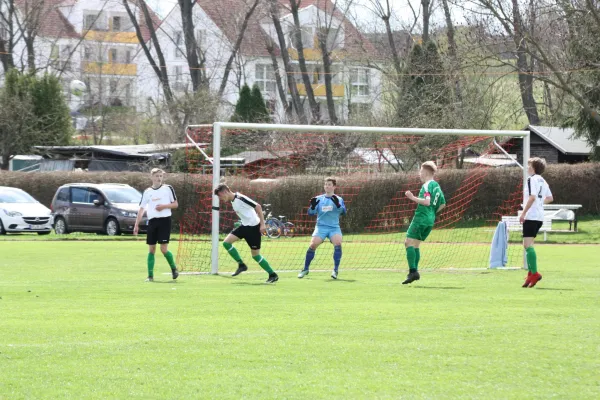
218,127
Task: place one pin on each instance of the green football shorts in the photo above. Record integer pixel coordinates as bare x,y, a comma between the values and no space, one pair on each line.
418,231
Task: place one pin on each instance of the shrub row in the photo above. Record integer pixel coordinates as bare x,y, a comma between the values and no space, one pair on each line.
370,194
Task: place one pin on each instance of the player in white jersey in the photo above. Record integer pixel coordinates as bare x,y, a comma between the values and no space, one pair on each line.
158,201
251,229
536,194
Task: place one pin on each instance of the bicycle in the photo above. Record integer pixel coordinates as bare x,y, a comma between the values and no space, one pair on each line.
277,226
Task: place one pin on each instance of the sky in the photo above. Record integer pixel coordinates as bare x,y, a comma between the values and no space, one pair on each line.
364,17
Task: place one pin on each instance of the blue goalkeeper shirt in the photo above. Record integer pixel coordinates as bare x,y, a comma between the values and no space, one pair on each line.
328,214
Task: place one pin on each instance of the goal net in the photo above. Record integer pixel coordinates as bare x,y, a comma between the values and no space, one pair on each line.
283,166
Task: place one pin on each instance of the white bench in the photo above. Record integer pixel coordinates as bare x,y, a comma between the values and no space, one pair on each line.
513,224
563,212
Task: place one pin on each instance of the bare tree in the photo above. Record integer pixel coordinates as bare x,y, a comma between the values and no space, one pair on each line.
297,37
238,42
452,47
8,38
287,65
194,54
427,6
159,64
328,37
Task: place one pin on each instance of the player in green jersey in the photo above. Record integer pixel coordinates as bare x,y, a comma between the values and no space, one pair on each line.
429,202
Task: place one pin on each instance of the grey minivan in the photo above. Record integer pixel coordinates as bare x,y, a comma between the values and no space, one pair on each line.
108,208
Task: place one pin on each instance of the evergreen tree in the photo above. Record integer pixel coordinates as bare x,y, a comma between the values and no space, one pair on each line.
250,106
243,108
260,111
33,112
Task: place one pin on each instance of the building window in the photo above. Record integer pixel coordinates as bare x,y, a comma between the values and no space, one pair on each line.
128,93
113,87
3,32
178,78
112,56
265,78
116,24
177,39
308,38
359,81
201,39
94,22
54,52
87,53
128,57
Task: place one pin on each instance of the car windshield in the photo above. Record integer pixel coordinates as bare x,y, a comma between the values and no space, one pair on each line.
122,195
15,196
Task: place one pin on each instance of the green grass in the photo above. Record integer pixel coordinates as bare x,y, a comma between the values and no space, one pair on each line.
77,321
465,232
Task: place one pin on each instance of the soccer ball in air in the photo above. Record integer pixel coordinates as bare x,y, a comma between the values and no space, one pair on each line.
77,88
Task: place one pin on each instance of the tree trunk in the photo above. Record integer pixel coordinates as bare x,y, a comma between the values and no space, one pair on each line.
280,89
287,65
194,60
29,44
452,49
160,68
525,73
236,47
328,77
7,45
314,106
426,15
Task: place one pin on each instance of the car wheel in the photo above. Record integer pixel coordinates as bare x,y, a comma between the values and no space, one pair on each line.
60,226
44,233
2,230
111,228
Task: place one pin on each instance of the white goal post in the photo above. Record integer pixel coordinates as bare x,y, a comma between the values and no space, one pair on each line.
218,127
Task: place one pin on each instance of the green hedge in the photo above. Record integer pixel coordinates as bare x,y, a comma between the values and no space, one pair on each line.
570,184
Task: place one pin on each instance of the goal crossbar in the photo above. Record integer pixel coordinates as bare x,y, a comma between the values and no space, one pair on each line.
218,127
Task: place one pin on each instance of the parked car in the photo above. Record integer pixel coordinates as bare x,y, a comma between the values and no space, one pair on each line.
19,212
108,208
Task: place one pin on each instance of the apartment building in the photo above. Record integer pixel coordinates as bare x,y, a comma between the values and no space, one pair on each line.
356,85
90,40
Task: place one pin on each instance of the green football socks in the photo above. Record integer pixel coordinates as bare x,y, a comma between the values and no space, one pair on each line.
232,252
531,260
411,257
150,265
417,257
170,259
264,264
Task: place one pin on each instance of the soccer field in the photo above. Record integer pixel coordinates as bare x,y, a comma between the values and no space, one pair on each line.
78,321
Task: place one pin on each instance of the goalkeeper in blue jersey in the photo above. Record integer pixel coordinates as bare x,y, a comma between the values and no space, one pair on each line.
327,207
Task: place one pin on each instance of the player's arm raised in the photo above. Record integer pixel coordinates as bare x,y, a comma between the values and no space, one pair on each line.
312,210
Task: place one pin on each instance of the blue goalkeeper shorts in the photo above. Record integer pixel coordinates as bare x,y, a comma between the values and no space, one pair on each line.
325,232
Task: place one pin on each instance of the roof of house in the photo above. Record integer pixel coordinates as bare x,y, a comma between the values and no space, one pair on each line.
561,139
228,16
142,151
250,157
54,24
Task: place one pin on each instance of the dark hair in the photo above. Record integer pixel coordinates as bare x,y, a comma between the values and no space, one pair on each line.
538,164
221,188
332,180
